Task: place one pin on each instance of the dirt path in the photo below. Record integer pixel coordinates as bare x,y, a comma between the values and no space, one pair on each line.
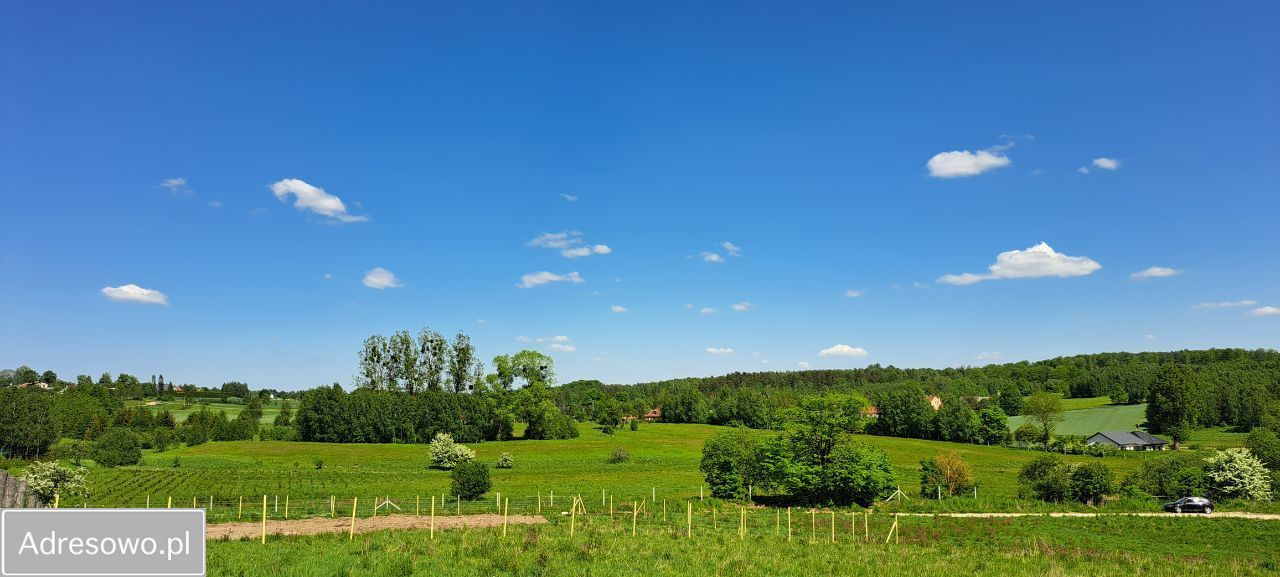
1217,515
321,525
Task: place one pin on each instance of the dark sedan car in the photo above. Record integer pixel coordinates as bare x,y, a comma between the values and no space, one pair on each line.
1190,504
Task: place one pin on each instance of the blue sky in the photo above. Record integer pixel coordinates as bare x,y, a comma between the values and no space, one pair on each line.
875,149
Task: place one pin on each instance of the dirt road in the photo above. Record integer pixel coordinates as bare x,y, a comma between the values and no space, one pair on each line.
317,526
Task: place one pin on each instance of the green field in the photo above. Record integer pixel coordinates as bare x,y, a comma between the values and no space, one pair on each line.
664,462
1084,417
1112,546
180,413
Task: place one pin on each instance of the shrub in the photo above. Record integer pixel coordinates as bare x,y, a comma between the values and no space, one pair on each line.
1266,446
1237,474
606,429
635,424
161,439
1046,478
47,478
470,479
177,462
505,461
319,464
1090,482
1173,474
947,472
71,450
116,447
619,455
446,454
731,463
1027,433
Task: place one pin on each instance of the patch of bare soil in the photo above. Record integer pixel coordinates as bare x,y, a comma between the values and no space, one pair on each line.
321,525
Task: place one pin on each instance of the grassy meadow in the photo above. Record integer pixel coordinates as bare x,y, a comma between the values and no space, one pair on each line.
1110,546
1084,417
180,412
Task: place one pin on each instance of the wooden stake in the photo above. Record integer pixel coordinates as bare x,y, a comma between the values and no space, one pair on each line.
601,497
777,522
664,510
193,502
333,506
833,526
653,491
539,509
714,525
417,506
635,512
433,517
286,506
55,500
610,509
355,501
700,493
459,504
788,524
498,496
149,501
264,519
689,521
573,517
210,503
240,508
866,526
170,505
506,506
813,525
553,497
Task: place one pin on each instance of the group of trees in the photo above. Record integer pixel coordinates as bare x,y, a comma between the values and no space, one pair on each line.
428,362
1228,474
1048,478
814,459
125,385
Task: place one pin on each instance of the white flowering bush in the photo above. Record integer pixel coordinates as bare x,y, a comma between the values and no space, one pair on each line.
446,454
48,478
1237,474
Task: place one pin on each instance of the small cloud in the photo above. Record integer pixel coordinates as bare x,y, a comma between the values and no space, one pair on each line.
1037,172
962,163
482,321
1264,312
742,306
989,356
585,251
1038,261
1226,304
540,278
618,309
1083,170
732,249
707,311
1106,163
803,364
688,306
381,278
177,187
853,294
215,204
562,348
918,284
764,361
569,197
843,351
601,358
328,276
259,211
712,257
523,339
1149,336
314,199
1155,272
570,244
719,350
136,294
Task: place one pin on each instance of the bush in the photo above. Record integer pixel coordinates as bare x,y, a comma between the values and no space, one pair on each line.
277,433
947,472
161,439
47,478
1266,446
1173,475
1237,474
619,455
70,450
1045,478
731,463
505,461
319,464
116,447
635,424
1027,433
470,479
446,454
1090,482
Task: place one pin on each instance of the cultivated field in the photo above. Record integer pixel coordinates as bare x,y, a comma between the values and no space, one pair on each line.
1085,417
270,409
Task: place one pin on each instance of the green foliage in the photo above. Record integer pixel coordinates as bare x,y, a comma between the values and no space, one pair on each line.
117,447
947,474
619,455
904,412
470,480
1045,409
744,407
682,402
47,478
732,462
818,462
505,461
285,418
1169,474
1046,478
634,424
956,422
545,421
1091,481
26,426
608,413
1171,408
446,454
1237,474
1265,445
1027,433
993,426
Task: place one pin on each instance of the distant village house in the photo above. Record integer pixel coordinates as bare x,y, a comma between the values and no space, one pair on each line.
1128,441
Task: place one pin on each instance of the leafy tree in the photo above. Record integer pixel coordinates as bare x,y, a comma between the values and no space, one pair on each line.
446,454
26,426
433,354
229,389
547,422
732,463
818,462
1011,400
1046,409
470,480
904,412
1171,405
993,426
1171,474
374,356
956,422
947,472
25,374
1266,446
740,406
1237,474
404,364
47,479
252,409
608,413
462,352
683,403
1090,482
106,380
285,418
83,380
1046,478
505,461
49,377
116,447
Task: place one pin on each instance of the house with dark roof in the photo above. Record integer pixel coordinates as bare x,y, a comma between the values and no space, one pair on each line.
1128,441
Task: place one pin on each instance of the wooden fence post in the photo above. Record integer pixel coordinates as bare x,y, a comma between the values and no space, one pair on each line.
664,510
417,506
813,525
714,524
240,508
506,507
286,507
55,500
459,504
573,517
689,521
833,525
264,519
433,517
333,506
149,500
788,524
355,501
866,526
635,510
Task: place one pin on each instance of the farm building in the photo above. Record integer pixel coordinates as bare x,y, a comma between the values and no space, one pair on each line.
1128,441
934,401
653,415
871,412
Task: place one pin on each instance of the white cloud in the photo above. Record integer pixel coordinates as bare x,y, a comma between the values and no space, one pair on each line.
523,339
1106,163
618,309
732,249
1264,312
563,348
843,351
328,276
958,163
853,294
381,278
707,311
1155,272
585,251
314,199
1083,170
712,257
1226,304
719,350
1038,261
1037,172
482,321
570,244
534,279
215,204
555,339
764,361
569,197
803,365
988,356
135,293
177,187
742,306
688,306
1149,337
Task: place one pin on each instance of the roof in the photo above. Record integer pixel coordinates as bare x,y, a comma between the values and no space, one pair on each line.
1131,438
